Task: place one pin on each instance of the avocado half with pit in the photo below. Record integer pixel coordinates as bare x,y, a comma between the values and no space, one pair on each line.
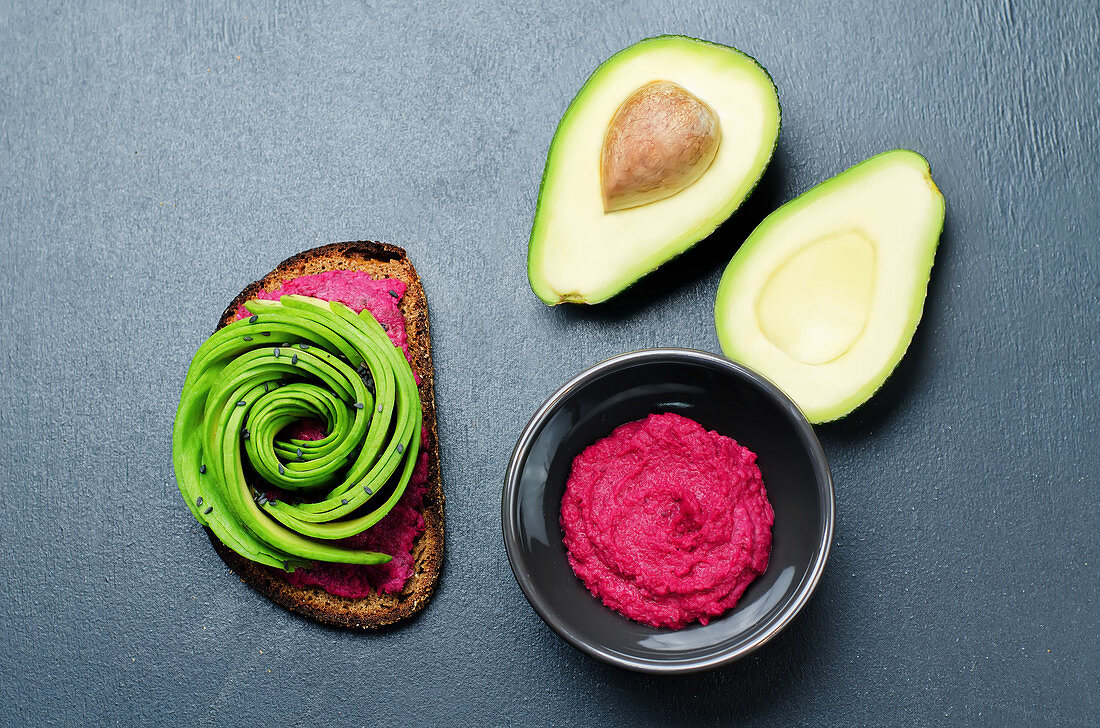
824,296
662,143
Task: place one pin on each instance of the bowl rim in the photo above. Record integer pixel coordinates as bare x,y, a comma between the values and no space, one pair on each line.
509,525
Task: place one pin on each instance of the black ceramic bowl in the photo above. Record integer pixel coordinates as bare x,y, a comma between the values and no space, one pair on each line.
722,396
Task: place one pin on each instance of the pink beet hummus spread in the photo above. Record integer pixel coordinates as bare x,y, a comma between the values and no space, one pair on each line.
396,533
666,522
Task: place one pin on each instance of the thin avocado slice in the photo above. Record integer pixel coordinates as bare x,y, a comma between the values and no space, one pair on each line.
662,143
295,358
825,295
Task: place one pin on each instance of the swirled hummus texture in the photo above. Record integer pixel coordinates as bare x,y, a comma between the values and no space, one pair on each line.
666,522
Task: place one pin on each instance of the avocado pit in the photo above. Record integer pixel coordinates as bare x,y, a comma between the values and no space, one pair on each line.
660,141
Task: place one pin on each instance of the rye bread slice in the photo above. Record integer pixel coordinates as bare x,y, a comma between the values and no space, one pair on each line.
380,260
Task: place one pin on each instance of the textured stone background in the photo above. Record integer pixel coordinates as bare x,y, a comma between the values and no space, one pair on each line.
156,159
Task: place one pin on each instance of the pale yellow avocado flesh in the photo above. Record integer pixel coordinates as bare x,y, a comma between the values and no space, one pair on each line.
578,252
824,296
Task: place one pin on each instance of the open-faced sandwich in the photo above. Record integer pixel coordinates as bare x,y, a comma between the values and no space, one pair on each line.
305,440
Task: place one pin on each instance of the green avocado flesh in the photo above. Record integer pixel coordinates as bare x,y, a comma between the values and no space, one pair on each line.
585,248
329,364
824,296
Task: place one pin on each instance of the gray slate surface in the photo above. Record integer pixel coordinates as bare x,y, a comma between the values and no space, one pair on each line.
155,159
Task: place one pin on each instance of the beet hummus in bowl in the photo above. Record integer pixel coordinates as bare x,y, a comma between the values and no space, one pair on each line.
668,510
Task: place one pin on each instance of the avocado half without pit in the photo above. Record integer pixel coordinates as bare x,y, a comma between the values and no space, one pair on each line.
664,141
825,295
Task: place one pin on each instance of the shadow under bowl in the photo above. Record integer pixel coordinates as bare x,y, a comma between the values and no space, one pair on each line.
722,396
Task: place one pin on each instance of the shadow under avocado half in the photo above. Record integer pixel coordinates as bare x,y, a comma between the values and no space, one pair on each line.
910,370
708,255
714,253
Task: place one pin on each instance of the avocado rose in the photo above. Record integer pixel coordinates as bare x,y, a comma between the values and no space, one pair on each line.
279,500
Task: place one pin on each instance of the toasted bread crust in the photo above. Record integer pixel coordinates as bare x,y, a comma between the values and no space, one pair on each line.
380,260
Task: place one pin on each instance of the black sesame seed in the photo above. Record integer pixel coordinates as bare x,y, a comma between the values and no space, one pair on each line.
242,403
367,490
265,387
286,566
202,469
198,501
276,352
303,347
294,359
358,405
343,501
248,338
286,344
209,510
394,294
385,327
253,319
400,448
299,452
282,470
266,333
245,433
